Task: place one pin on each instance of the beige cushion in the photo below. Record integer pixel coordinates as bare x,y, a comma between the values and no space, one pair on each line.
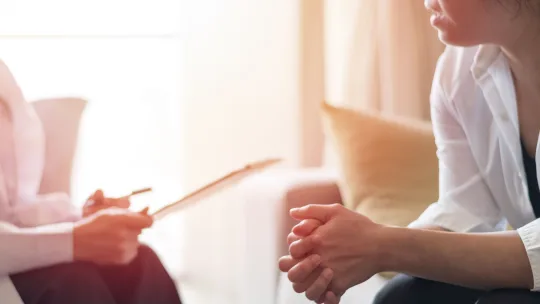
388,166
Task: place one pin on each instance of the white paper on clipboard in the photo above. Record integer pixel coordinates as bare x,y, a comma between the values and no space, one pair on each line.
214,187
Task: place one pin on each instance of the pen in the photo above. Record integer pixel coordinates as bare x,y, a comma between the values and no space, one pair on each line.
133,193
140,191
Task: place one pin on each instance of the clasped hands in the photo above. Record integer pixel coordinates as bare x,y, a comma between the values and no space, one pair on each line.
331,250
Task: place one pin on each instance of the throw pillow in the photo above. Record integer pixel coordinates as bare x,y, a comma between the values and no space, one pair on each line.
388,165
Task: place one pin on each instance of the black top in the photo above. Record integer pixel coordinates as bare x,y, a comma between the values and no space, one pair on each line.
532,182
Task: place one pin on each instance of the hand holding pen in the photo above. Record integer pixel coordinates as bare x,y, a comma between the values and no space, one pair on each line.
109,232
97,201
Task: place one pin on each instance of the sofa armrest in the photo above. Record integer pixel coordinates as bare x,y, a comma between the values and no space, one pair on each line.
266,201
296,189
60,119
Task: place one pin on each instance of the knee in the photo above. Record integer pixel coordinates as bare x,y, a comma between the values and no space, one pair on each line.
410,290
150,266
74,272
149,262
505,296
148,256
403,289
73,275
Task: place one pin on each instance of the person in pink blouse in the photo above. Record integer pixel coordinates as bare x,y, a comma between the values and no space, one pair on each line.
51,251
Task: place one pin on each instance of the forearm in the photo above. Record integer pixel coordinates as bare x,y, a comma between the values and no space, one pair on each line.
487,261
46,209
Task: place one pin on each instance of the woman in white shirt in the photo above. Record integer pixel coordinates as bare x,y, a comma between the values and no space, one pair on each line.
52,252
486,118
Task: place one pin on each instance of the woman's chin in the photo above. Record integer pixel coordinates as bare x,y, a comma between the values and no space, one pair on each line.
449,37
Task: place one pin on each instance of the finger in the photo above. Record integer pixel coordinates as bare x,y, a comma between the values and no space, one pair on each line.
126,252
318,288
96,198
287,262
135,220
94,208
306,227
323,213
122,235
118,202
98,195
301,287
301,248
130,237
144,211
291,238
331,298
301,271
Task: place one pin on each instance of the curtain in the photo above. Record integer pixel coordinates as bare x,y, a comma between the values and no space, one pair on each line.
392,58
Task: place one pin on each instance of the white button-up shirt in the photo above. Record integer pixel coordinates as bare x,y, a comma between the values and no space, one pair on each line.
483,185
35,230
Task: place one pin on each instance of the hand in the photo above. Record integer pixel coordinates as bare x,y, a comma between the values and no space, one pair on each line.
318,279
109,236
98,201
347,244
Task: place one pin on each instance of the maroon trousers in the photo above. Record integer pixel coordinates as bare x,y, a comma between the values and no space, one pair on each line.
144,280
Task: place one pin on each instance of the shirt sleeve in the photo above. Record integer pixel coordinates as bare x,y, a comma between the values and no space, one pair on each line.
465,202
530,235
46,209
29,248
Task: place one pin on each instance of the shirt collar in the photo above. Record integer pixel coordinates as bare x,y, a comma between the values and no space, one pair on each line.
491,70
484,59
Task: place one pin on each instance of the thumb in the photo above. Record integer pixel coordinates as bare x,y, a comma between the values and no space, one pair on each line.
322,213
144,211
98,195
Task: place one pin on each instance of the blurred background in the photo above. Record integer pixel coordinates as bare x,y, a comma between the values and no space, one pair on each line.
181,91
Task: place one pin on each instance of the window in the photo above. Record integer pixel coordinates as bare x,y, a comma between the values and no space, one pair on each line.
124,57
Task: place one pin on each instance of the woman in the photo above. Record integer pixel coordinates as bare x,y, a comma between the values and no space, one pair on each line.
52,252
485,111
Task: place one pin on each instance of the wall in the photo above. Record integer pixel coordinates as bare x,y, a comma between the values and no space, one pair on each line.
312,80
340,22
241,83
242,102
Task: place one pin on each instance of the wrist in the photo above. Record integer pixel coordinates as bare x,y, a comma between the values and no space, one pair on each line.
79,241
391,249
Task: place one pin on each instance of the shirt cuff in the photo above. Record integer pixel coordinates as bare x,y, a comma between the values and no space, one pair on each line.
450,217
530,235
53,243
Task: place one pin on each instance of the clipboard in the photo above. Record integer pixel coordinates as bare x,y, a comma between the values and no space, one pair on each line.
215,186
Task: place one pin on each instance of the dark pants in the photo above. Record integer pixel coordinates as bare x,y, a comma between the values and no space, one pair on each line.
144,280
409,290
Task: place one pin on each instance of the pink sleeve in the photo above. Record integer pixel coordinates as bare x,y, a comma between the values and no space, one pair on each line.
46,209
28,248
